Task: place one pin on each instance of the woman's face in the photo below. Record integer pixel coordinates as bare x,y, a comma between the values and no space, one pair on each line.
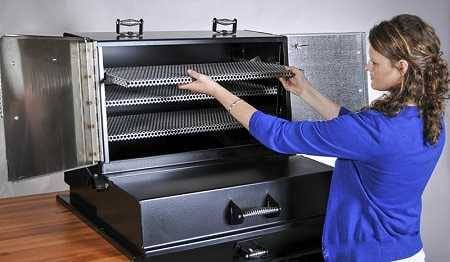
382,73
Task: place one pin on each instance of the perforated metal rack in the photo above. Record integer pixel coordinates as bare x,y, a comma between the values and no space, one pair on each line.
120,96
130,127
141,76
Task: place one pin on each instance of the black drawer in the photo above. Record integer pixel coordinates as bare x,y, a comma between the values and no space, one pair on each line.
301,242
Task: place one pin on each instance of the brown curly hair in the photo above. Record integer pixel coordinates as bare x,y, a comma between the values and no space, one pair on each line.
426,81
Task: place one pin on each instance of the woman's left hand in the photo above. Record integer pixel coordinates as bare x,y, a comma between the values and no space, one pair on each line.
201,84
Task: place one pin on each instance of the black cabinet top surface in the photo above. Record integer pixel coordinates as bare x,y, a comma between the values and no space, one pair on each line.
179,36
194,178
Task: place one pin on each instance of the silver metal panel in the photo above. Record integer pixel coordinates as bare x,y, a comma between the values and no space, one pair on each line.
1,93
334,63
99,103
88,92
50,119
141,76
102,104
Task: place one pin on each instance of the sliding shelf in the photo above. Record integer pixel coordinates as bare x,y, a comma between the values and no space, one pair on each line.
120,96
141,76
149,125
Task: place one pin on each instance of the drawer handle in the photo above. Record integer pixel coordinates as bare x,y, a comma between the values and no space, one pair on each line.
255,253
252,250
236,215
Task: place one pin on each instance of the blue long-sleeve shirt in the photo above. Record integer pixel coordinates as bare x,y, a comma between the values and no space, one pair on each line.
383,164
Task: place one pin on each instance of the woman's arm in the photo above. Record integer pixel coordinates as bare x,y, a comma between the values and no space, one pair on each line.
346,137
242,111
301,87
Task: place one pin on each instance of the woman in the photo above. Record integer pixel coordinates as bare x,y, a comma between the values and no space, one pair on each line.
385,153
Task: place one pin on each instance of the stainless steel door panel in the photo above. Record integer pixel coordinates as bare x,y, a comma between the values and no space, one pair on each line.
49,104
334,63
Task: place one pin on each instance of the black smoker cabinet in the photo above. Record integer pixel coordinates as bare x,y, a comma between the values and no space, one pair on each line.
166,174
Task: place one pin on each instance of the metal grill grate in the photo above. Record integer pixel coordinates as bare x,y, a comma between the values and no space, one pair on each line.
130,127
119,96
177,74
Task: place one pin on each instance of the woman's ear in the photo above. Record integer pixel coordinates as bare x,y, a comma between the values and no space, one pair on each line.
402,65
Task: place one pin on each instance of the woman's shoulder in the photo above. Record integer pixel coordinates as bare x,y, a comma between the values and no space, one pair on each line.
408,120
363,116
408,112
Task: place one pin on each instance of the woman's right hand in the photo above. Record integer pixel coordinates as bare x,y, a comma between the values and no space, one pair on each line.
297,83
200,83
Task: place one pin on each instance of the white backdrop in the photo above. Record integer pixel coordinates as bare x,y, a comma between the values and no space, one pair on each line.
52,17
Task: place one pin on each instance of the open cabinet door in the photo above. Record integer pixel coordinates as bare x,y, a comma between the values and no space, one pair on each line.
49,92
334,63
